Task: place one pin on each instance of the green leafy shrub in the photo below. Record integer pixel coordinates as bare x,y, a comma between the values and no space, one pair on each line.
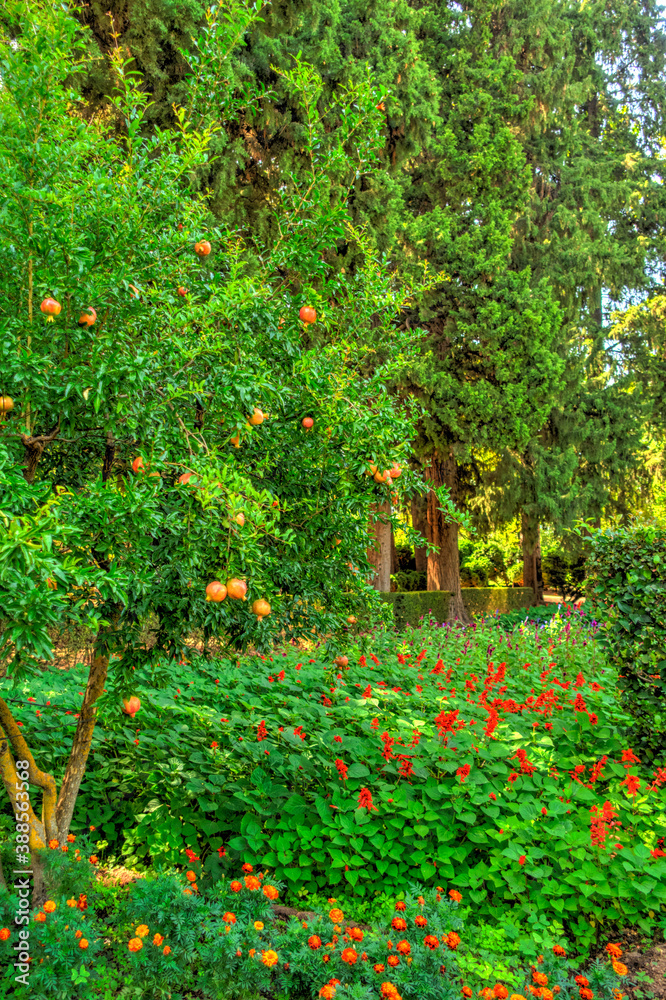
627,578
564,572
478,749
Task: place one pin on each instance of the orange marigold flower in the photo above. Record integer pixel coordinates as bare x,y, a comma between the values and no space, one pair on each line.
400,906
364,956
614,950
559,950
252,882
617,995
158,940
388,990
53,844
93,859
269,957
190,876
540,978
403,947
431,942
486,993
78,934
420,921
336,915
585,993
455,895
235,886
40,917
517,996
620,968
378,967
325,958
83,943
187,892
71,838
314,942
142,931
466,991
64,848
252,952
420,901
248,868
453,940
135,944
49,906
327,992
581,981
270,892
229,918
71,902
500,991
349,955
355,933
258,925
4,933
399,924
393,960
166,950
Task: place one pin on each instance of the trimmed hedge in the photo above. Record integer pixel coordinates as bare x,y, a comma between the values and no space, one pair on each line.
410,606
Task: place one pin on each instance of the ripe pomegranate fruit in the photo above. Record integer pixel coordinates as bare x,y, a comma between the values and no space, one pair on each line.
307,422
237,589
256,418
182,291
382,477
341,661
372,469
87,317
137,464
202,248
131,706
261,608
307,314
240,519
235,441
6,404
351,620
51,309
395,472
216,591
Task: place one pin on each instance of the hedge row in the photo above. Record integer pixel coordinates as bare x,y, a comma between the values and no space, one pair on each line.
409,607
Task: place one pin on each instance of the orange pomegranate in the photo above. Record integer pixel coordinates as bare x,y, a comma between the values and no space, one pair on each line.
351,620
6,404
182,291
395,472
87,317
372,469
261,608
240,519
216,591
235,441
307,314
202,248
131,706
256,418
237,589
341,661
137,464
307,422
51,309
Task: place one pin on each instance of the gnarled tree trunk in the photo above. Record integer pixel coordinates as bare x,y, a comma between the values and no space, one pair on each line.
444,565
379,553
530,537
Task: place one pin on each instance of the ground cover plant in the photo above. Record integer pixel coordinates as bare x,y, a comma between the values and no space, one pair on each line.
168,935
499,764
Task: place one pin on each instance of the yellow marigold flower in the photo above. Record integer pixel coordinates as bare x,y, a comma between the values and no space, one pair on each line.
269,957
258,926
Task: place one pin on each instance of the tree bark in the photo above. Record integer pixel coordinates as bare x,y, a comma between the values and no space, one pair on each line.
530,537
379,554
78,757
420,524
394,554
444,565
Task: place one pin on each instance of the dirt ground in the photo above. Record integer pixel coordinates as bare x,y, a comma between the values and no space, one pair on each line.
646,962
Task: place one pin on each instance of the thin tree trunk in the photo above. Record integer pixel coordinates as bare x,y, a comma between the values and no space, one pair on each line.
420,524
78,757
530,536
394,554
444,565
379,554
